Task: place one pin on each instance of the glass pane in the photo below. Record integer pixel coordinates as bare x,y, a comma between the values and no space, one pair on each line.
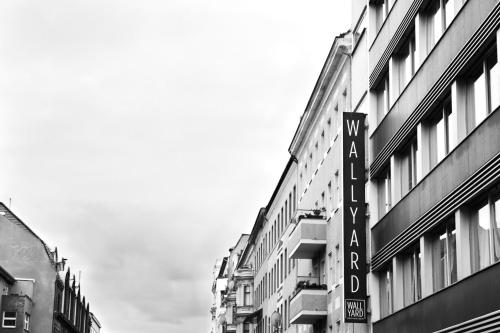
480,109
452,254
480,241
440,262
483,226
495,86
496,231
450,11
437,22
451,129
419,274
440,140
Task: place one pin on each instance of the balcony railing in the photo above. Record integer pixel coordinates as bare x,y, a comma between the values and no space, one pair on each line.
308,282
309,302
244,310
244,273
230,327
308,238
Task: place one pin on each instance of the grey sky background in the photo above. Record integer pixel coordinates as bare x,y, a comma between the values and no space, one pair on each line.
141,137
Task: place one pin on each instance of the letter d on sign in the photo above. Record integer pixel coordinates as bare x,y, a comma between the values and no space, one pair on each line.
354,284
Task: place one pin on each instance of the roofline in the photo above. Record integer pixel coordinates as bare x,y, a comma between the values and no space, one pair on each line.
258,223
317,88
6,276
47,248
222,268
95,319
281,180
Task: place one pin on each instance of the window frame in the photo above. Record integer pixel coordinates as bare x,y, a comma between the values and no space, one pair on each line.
4,318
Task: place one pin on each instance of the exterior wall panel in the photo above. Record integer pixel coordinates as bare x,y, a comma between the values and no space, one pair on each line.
481,146
423,88
470,298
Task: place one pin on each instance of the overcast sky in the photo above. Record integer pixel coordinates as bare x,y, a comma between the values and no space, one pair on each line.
142,137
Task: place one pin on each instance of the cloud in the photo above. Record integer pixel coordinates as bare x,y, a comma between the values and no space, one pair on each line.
141,138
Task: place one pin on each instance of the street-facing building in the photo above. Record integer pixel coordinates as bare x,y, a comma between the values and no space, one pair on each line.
434,165
387,216
39,293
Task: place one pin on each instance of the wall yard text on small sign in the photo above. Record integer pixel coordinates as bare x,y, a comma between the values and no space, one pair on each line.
354,207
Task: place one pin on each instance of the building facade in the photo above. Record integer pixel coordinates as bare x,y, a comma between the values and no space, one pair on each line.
42,295
231,321
219,285
387,216
434,83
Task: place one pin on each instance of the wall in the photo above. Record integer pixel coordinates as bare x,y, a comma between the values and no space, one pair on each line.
24,256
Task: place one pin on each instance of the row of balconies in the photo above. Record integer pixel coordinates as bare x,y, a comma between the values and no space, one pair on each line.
307,241
309,302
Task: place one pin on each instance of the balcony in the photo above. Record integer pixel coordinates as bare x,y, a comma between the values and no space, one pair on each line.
244,273
310,301
230,327
244,310
308,238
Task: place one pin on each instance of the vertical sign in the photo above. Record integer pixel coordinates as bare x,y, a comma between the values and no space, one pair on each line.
353,174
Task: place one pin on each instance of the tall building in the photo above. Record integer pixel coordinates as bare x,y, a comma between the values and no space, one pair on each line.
39,294
434,84
387,216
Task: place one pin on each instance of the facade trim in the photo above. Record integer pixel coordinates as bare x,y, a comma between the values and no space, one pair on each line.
396,38
485,177
471,48
490,321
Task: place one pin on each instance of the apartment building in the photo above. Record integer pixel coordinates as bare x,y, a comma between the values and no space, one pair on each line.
329,243
231,321
219,285
275,272
39,294
391,222
434,165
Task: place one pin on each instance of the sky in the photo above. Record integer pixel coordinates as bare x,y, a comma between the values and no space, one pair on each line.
142,137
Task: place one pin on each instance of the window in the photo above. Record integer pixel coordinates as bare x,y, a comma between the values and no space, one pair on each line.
386,291
408,164
9,319
404,65
383,98
289,265
412,282
281,267
246,327
444,255
434,19
285,313
442,132
330,196
286,213
337,264
290,206
285,262
483,83
382,9
247,295
384,192
450,8
485,234
26,322
282,218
